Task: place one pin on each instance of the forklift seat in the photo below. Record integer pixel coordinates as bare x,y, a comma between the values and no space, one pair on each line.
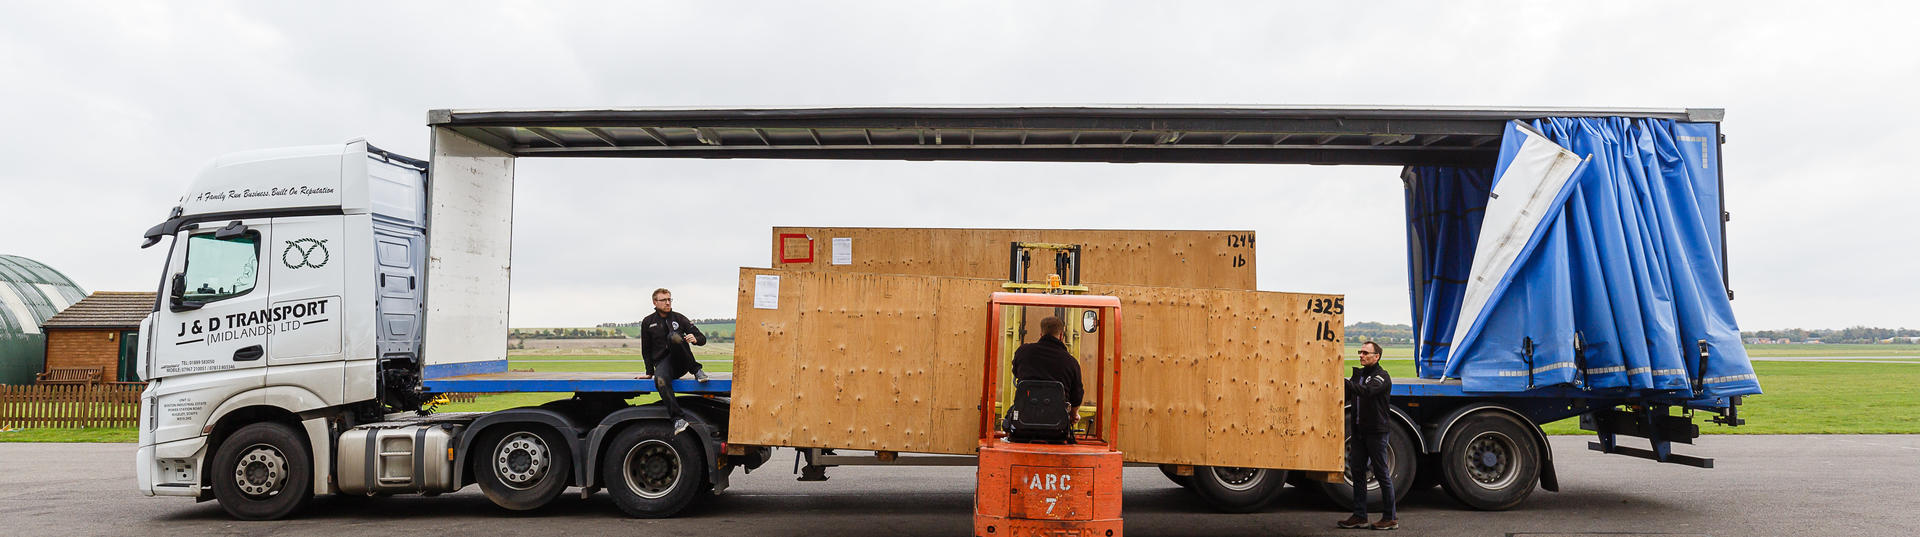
1039,414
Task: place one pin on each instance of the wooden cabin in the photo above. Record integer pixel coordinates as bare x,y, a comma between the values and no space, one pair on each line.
96,339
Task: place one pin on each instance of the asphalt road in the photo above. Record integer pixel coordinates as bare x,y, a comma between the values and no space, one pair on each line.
1762,485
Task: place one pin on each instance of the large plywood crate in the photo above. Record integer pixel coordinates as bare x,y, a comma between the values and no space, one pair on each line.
895,362
1203,259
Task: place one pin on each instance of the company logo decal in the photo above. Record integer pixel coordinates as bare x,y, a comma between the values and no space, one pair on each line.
239,328
312,253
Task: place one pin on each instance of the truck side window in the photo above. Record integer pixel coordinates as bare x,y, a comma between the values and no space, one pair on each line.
220,269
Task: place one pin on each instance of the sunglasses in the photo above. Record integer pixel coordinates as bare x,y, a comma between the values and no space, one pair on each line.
1368,353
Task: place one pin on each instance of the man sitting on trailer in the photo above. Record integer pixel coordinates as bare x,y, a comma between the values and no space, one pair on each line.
1047,358
1367,392
664,339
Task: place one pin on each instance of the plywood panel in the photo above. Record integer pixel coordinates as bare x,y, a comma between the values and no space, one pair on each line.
1200,259
1243,379
895,362
771,363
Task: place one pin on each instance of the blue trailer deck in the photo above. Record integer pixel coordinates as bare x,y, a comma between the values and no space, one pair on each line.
527,381
1419,387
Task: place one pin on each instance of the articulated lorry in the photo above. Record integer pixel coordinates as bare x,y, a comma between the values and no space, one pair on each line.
1564,263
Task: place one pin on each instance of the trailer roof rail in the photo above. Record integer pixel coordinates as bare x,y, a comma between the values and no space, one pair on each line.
1376,135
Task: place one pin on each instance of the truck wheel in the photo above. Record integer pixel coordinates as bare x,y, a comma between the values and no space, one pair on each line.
1238,490
1489,461
1185,481
522,467
262,472
1400,461
651,472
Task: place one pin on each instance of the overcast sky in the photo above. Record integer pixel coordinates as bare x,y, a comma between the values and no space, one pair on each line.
109,110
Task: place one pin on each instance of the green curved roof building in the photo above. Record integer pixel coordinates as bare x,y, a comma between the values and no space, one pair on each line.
30,292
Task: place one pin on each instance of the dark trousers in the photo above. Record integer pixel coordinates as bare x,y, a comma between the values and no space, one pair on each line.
1370,449
663,374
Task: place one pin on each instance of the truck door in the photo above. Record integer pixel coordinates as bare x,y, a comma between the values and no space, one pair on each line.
216,288
399,258
306,313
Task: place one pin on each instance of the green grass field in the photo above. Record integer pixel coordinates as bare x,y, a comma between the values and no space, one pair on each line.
1801,397
90,434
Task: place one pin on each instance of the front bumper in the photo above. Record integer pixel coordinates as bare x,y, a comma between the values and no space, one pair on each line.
171,468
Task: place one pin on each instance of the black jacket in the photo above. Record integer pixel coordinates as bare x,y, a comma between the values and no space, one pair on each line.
656,343
1367,392
1048,359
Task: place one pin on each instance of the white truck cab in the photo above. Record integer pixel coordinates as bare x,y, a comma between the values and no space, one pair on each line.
288,353
293,275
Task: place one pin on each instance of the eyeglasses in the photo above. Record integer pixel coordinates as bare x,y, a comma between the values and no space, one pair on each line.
663,300
1368,353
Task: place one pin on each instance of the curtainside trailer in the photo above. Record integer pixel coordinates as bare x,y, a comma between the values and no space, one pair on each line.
315,298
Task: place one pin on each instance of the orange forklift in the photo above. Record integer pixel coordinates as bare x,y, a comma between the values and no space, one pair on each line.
1045,469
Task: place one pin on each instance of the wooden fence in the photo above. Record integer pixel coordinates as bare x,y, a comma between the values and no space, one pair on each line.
70,406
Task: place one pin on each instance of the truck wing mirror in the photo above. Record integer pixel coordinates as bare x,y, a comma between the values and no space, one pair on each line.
178,296
162,229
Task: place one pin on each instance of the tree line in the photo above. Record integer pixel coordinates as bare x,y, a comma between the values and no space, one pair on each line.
1855,334
695,321
1382,333
564,333
1400,334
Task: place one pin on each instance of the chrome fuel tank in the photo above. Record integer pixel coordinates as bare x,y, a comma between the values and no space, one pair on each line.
398,458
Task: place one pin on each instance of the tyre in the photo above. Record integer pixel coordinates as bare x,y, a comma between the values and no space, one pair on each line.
1238,490
1401,456
262,472
1489,461
522,466
651,472
1185,481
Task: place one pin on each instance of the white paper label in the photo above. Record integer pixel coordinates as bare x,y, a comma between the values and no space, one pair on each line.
843,250
766,292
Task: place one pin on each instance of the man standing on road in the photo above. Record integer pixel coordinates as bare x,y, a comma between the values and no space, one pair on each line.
1367,391
664,339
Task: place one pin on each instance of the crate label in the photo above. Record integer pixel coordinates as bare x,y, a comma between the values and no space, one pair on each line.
766,292
843,250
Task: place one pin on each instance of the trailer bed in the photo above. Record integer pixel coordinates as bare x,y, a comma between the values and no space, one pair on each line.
1414,387
527,381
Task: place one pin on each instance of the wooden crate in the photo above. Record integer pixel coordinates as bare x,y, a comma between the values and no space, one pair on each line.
894,362
1203,259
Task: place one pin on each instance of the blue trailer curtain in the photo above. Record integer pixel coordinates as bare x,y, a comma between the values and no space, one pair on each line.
1628,266
1444,208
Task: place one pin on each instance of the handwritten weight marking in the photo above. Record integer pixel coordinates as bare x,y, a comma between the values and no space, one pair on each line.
1334,306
